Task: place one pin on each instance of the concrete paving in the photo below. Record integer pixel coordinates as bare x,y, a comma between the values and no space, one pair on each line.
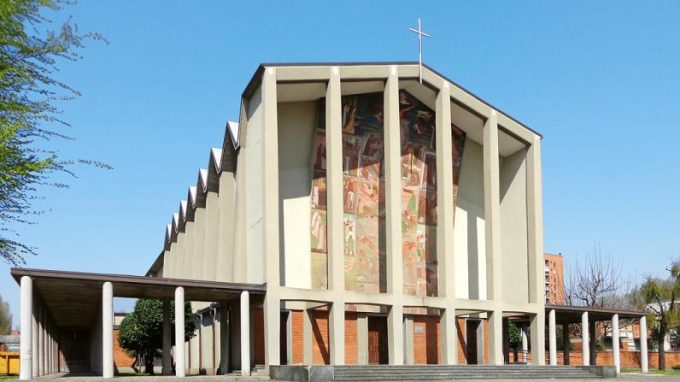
627,377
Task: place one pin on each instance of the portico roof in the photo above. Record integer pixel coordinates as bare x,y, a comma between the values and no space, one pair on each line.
567,314
73,298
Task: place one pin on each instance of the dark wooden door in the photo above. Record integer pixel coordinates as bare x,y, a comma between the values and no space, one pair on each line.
471,327
377,340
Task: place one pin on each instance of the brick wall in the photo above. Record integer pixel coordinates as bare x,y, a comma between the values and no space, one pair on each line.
298,337
426,349
629,359
120,357
460,329
320,353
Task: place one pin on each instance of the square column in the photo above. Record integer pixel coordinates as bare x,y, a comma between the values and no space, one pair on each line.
107,330
308,338
496,337
615,343
362,339
392,131
449,337
179,333
245,333
492,209
535,223
565,344
336,334
585,339
525,344
167,339
395,335
552,337
26,339
41,340
538,338
409,356
644,361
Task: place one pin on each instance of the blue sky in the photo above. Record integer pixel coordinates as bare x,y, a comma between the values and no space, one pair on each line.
600,80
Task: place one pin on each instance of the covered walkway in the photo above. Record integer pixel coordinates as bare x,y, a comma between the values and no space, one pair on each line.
588,317
71,313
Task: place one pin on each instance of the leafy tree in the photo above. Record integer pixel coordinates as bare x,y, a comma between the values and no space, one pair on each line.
660,298
141,332
5,318
29,92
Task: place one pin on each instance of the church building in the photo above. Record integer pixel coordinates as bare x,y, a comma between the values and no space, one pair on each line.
392,221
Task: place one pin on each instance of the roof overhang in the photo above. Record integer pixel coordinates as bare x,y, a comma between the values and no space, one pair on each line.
567,314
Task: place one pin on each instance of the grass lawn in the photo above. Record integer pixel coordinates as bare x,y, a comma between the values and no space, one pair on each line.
668,371
7,377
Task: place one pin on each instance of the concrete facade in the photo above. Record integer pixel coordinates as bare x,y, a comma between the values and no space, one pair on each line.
248,220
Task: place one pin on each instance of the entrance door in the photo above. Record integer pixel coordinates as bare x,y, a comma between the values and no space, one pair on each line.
471,327
377,340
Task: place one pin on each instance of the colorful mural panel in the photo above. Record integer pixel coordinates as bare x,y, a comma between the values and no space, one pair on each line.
419,193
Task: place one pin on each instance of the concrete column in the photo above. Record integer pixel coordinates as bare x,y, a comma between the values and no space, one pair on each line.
41,340
496,337
211,238
335,231
535,223
585,339
308,355
525,344
26,339
644,361
245,333
107,330
552,337
445,208
167,339
34,339
538,338
179,333
449,337
409,355
395,335
492,209
392,127
336,337
566,344
615,343
272,329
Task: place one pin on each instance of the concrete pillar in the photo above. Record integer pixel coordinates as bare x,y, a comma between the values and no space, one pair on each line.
585,339
449,337
167,339
409,355
336,335
615,343
393,189
41,340
308,337
644,361
445,208
395,335
535,223
179,333
362,339
26,339
245,333
566,344
496,337
107,330
492,209
538,338
525,344
552,337
272,329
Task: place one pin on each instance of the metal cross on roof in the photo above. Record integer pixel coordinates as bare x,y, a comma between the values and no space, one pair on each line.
420,34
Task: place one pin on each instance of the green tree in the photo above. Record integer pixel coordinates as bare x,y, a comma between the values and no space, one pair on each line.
5,318
660,298
141,332
30,52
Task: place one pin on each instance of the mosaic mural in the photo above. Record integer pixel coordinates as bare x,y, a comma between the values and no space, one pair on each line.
419,193
364,195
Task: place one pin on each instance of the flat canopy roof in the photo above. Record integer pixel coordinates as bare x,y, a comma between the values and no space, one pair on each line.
567,314
73,298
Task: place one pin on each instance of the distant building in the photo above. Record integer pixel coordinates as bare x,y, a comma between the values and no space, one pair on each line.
554,278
